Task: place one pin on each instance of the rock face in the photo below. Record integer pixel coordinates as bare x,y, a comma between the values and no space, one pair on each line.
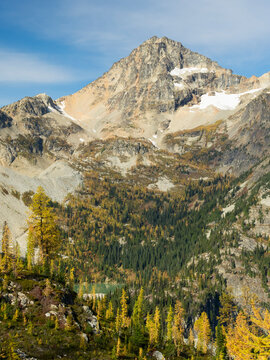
30,106
158,355
5,120
162,88
248,135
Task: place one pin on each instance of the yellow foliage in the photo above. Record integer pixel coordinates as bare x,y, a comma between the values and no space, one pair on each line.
250,337
43,231
202,327
178,326
124,310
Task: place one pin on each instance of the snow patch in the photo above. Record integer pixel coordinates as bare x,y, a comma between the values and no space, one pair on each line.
153,142
82,140
221,100
188,70
51,109
61,108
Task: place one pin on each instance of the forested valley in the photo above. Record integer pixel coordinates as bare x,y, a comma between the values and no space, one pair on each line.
158,256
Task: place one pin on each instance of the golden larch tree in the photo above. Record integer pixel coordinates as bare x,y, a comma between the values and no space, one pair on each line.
109,311
156,325
6,248
250,337
43,232
169,322
202,327
178,327
124,310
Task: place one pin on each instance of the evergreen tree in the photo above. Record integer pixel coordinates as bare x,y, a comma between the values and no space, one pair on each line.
227,309
157,325
191,337
16,315
202,327
250,336
150,326
30,328
56,324
42,229
11,353
18,264
6,248
71,278
169,322
138,320
94,297
221,352
124,310
109,311
69,323
118,321
137,314
118,347
178,327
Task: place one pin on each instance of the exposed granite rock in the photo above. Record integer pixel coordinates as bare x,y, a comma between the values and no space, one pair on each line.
91,319
158,355
23,355
5,120
19,298
7,154
35,106
249,135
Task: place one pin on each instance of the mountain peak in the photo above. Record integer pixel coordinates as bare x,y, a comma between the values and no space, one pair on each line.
156,39
155,79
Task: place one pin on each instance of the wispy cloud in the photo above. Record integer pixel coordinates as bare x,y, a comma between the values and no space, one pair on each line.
223,23
17,67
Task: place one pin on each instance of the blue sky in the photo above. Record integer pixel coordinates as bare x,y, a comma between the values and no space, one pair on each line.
59,46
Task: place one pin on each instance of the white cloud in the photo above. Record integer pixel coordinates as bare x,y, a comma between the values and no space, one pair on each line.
17,67
220,24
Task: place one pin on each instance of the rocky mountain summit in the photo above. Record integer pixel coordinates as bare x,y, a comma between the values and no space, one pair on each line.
158,88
